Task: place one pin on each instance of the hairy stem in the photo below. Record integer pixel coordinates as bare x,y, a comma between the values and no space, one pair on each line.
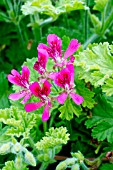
86,21
20,33
43,166
90,40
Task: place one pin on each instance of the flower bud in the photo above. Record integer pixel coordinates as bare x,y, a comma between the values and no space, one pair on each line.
5,148
61,166
29,158
75,167
70,161
16,148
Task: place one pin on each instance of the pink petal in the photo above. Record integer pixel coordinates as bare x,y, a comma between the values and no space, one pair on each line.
35,89
63,77
33,106
62,97
26,98
52,75
13,80
25,73
70,67
54,39
17,96
40,65
15,73
42,56
46,88
72,59
73,46
45,114
77,98
42,46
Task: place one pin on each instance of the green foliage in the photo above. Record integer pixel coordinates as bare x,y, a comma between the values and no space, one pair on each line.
101,120
51,144
106,166
9,166
96,63
84,91
23,25
100,5
20,122
46,7
3,91
68,109
108,87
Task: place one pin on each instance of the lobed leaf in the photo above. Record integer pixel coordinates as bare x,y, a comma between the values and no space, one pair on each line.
101,120
96,64
68,109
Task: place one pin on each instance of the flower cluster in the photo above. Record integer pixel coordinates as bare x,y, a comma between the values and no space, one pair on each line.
62,76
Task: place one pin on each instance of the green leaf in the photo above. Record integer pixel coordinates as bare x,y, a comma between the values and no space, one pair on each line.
100,5
9,165
46,7
20,122
3,135
108,87
106,166
101,120
74,5
103,131
3,91
96,64
86,93
51,143
65,42
68,109
96,23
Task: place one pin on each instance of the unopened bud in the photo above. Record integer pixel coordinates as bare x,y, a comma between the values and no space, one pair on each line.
29,158
61,166
75,167
16,148
5,148
71,161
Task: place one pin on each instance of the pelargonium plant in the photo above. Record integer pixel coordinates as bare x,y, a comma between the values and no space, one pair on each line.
62,76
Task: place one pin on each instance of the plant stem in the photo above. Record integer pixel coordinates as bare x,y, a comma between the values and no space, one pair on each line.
90,40
45,127
43,166
46,21
86,21
52,118
84,167
69,127
31,142
20,33
108,22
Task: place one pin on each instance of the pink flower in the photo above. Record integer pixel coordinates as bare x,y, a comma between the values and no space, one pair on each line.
65,80
40,65
55,49
41,93
22,81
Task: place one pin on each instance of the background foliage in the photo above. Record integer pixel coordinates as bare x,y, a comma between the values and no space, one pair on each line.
26,142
